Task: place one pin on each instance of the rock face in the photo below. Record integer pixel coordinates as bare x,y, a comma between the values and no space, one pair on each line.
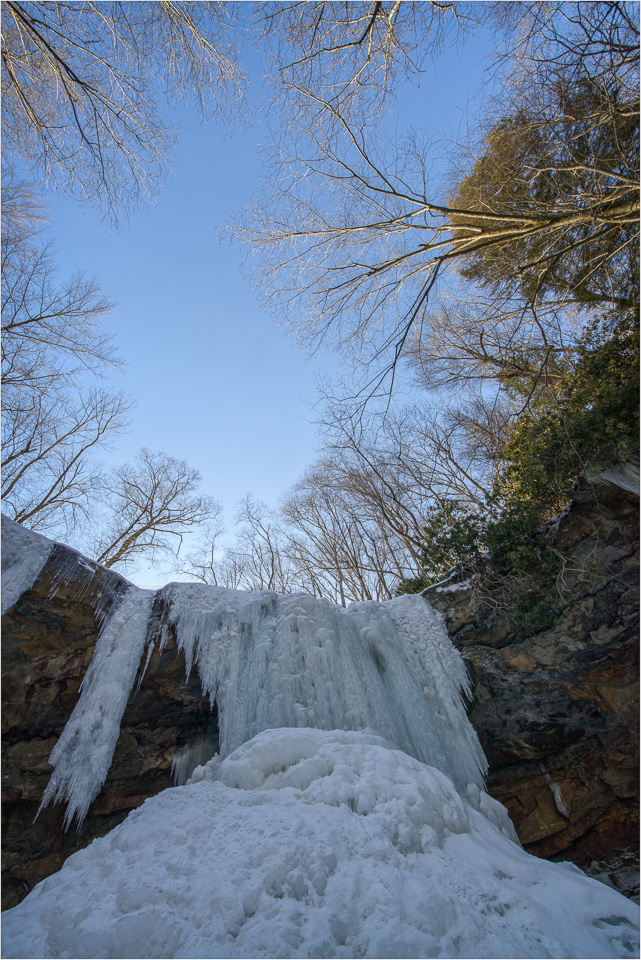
556,710
49,637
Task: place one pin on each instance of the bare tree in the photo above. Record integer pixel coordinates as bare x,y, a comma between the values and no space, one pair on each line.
472,337
49,480
366,508
323,541
354,54
80,85
407,458
149,505
354,238
353,526
256,558
52,332
55,415
202,562
258,549
341,540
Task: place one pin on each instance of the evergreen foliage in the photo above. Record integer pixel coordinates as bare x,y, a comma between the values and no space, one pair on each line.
558,182
590,418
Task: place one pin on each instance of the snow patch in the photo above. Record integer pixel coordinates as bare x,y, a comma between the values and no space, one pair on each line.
453,587
24,554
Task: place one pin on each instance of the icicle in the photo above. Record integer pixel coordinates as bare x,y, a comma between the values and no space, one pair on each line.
82,756
86,575
557,796
141,674
195,753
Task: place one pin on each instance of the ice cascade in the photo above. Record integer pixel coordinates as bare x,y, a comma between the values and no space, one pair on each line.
271,661
82,756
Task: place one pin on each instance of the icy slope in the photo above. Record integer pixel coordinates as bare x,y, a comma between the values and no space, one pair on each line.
305,843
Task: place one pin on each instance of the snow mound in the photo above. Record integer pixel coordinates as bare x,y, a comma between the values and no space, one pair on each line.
309,843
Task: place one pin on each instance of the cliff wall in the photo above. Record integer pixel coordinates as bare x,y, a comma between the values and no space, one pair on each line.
48,639
556,709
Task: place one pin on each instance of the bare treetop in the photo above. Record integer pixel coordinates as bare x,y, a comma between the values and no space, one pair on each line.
353,55
151,503
354,234
81,83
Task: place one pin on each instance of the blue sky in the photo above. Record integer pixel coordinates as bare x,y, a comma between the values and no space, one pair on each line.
216,380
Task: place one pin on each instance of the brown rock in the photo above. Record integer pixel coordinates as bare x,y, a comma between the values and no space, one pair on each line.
564,701
49,637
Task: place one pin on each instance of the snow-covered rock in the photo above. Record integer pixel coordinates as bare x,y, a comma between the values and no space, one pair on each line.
24,554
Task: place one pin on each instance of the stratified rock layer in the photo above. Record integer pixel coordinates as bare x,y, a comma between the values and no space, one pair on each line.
556,710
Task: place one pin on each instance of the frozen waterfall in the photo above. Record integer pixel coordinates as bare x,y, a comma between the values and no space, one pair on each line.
271,661
345,816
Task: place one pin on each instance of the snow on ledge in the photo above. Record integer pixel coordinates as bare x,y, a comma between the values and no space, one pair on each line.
454,587
24,554
622,475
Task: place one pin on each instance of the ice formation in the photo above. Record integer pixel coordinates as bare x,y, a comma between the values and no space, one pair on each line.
306,843
278,661
345,815
296,661
82,756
